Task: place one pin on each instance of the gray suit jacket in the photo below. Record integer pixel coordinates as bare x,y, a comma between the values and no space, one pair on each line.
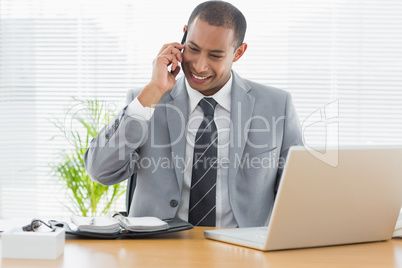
264,125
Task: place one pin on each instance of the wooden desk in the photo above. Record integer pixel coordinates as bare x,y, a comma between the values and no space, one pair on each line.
191,249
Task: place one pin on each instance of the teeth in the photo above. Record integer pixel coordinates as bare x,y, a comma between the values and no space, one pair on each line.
200,77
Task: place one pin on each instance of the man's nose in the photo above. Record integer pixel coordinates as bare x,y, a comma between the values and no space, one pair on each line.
200,65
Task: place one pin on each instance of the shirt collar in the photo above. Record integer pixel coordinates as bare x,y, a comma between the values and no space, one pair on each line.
222,97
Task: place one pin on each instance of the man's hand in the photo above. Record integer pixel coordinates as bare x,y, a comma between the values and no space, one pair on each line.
162,80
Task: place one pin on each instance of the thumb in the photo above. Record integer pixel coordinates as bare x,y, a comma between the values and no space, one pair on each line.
176,71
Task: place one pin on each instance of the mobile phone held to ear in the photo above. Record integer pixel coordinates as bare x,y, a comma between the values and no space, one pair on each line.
183,40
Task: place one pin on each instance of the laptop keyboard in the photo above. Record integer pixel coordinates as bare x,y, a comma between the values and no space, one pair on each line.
257,235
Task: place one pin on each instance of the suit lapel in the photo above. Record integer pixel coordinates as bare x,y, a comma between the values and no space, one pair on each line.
177,117
242,108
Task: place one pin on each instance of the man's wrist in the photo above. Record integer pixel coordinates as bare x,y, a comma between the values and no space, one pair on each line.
150,96
137,110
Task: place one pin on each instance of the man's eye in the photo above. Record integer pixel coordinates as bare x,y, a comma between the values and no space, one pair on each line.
193,49
216,56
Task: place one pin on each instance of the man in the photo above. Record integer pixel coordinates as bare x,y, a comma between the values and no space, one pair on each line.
209,147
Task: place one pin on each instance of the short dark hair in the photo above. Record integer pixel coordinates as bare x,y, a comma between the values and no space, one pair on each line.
221,14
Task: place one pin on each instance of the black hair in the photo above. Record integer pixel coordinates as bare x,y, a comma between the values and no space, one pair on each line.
221,14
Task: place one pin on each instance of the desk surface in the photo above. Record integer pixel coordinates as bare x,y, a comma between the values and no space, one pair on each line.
191,249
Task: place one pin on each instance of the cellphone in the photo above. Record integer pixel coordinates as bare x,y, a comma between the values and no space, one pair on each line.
183,40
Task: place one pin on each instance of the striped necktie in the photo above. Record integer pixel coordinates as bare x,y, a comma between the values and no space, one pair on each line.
202,209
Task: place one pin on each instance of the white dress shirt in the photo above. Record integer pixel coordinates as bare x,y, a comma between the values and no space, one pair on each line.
224,214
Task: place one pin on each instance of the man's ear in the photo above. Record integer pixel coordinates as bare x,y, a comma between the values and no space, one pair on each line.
240,51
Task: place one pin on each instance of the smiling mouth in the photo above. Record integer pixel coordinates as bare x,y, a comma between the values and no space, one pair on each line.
199,78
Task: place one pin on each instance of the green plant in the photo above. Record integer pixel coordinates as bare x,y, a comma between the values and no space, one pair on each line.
81,124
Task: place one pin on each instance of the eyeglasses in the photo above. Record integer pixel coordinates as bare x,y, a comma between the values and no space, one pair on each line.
38,225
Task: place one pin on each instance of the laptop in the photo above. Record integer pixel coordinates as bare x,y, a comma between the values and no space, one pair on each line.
355,199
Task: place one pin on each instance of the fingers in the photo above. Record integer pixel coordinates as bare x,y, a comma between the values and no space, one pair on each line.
173,54
176,71
173,50
170,55
167,60
175,45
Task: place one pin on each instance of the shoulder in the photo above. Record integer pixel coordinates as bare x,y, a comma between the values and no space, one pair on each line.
132,93
259,89
262,92
178,89
268,100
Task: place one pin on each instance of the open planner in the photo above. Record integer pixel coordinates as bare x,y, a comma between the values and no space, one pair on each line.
115,225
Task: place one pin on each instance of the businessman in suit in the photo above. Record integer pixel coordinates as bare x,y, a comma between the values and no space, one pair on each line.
208,147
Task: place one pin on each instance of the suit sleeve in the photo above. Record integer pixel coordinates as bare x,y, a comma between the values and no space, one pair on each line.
111,156
291,134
